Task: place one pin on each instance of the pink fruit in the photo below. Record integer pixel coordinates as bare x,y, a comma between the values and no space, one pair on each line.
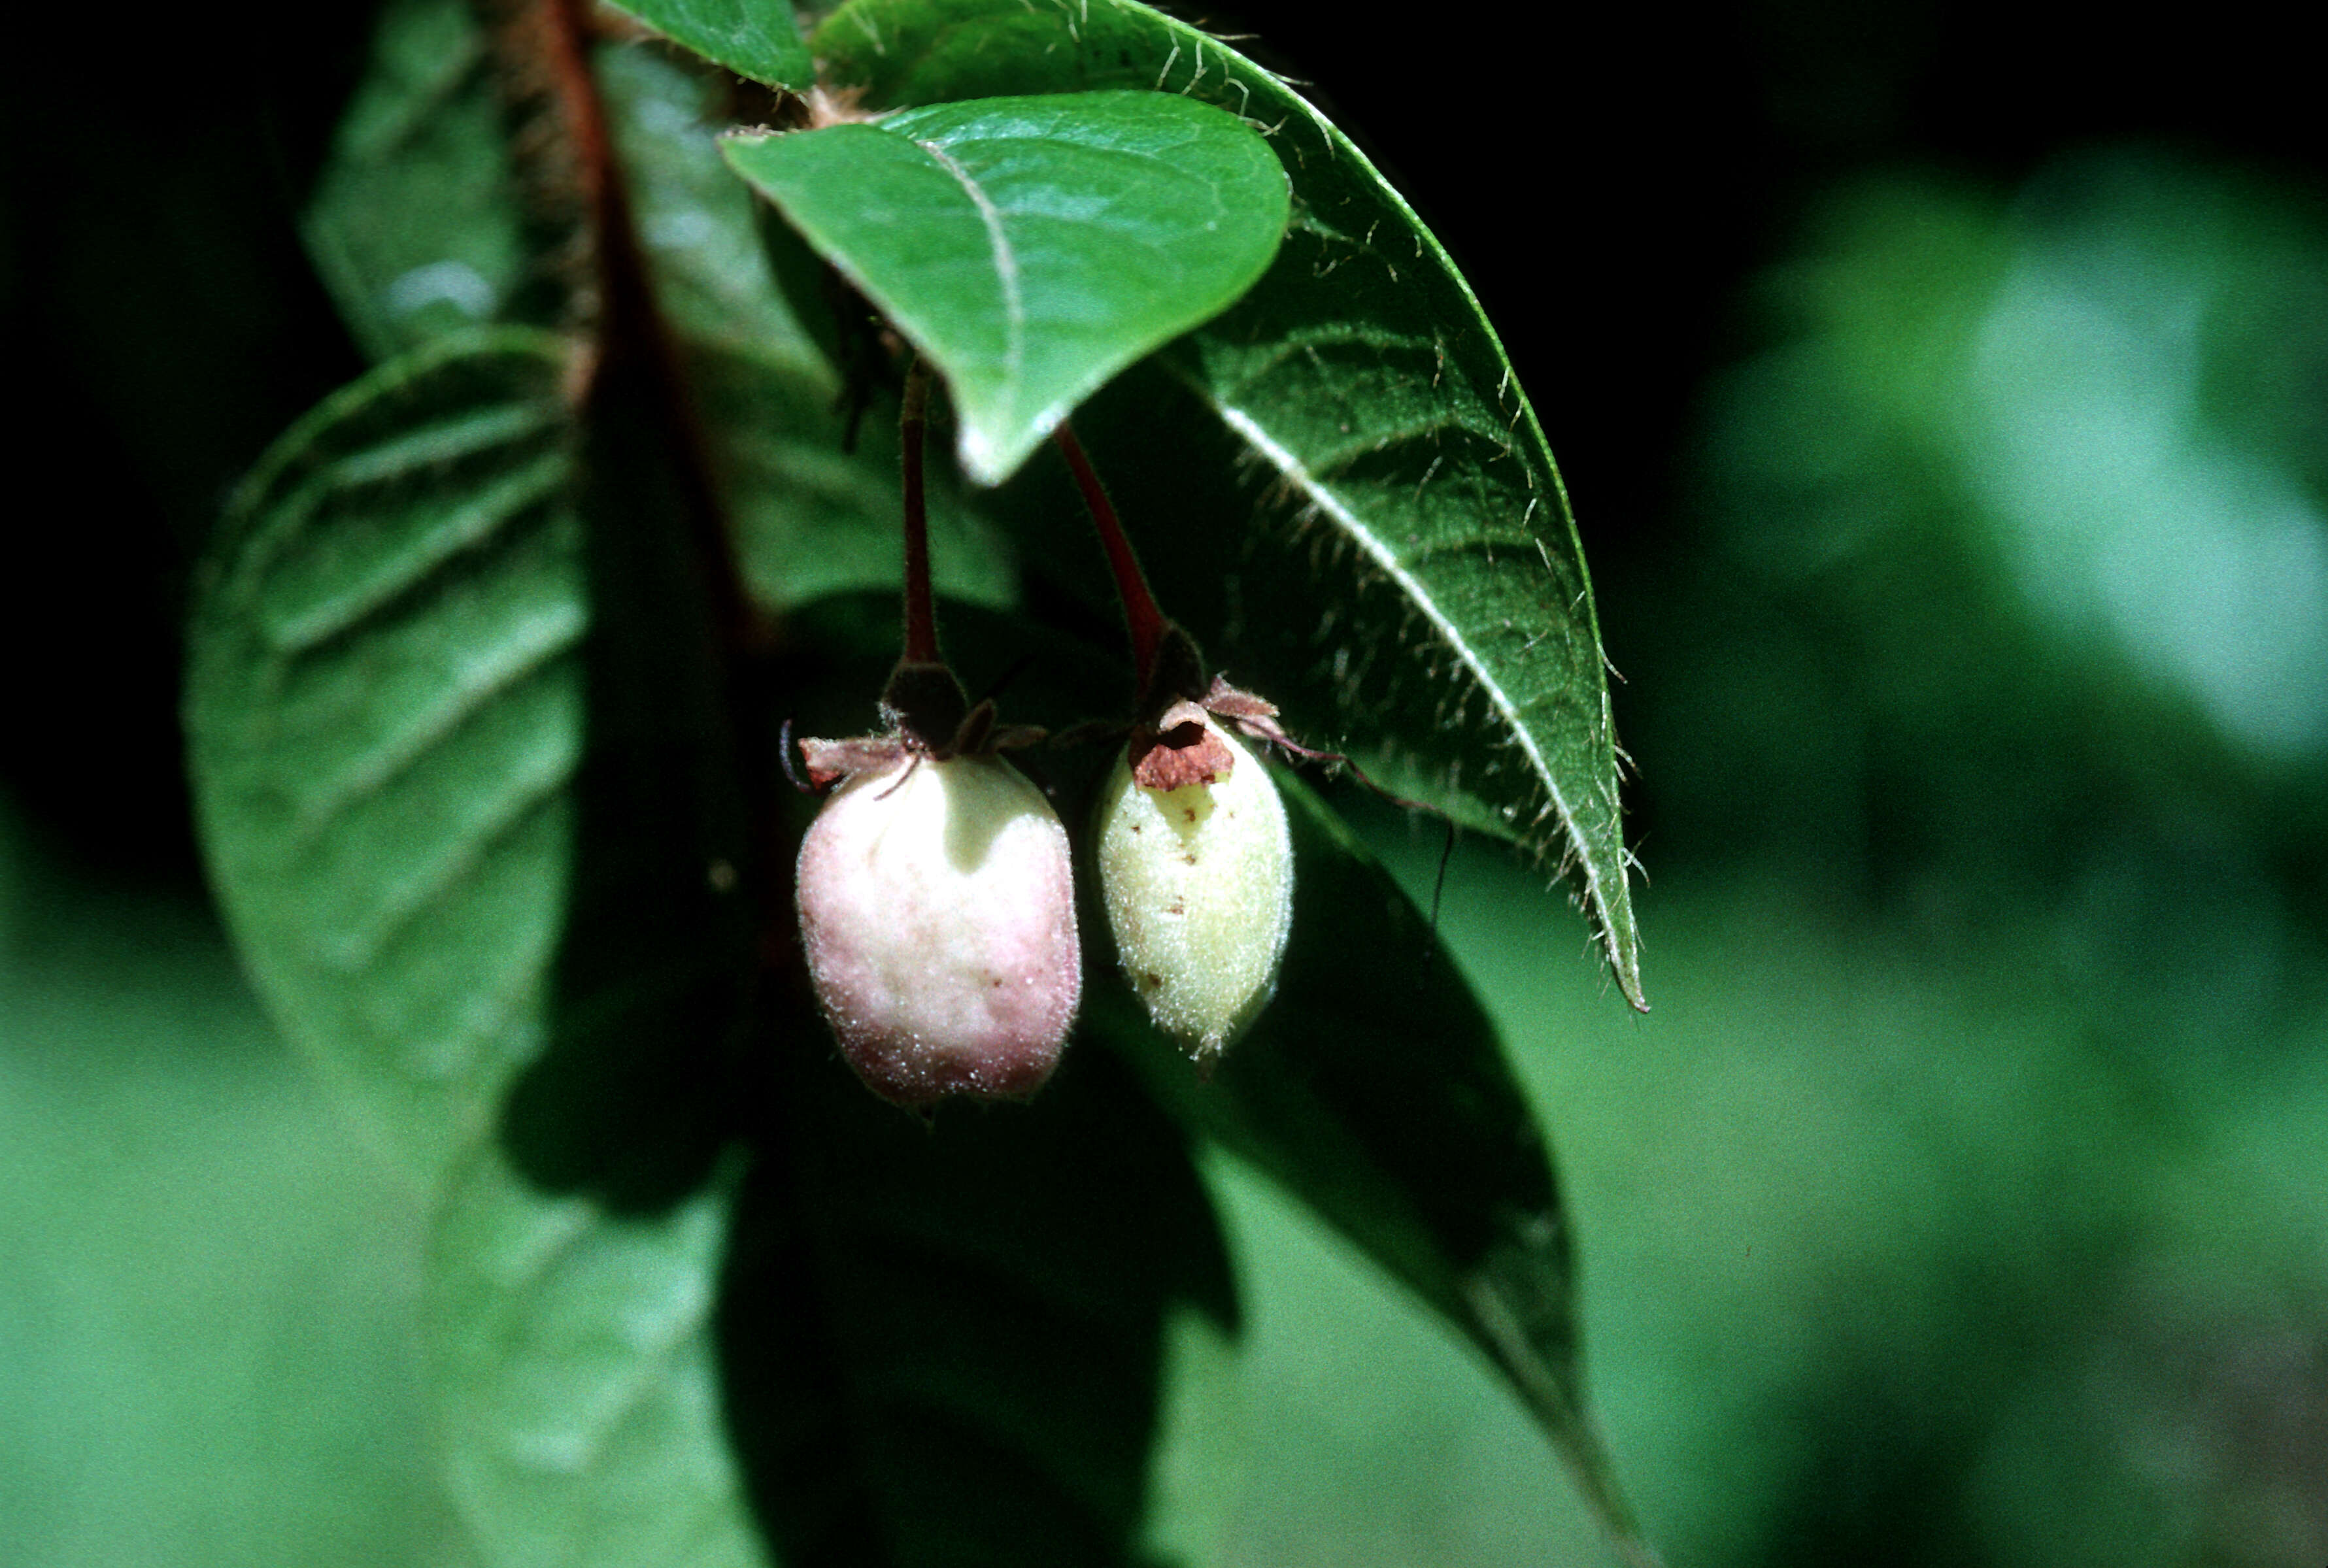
938,915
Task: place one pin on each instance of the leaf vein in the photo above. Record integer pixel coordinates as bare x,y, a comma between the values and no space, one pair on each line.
1296,474
529,791
1006,262
532,646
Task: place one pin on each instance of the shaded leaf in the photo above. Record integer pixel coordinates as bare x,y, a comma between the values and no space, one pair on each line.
948,1344
651,996
1376,1088
753,38
1442,611
1032,247
384,713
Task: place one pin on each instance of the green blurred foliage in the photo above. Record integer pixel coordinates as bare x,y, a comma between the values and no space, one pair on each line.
209,1345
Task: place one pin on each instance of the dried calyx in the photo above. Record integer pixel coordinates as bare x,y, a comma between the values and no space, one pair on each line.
934,889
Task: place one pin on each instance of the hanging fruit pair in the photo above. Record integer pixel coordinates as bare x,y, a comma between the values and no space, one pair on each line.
934,891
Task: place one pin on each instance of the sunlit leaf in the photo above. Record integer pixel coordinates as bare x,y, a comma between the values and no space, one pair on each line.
753,38
1032,247
1440,608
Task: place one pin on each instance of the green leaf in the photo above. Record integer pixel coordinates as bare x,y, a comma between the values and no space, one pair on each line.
384,712
457,782
1376,1087
753,38
576,1374
808,518
1032,247
1430,589
459,786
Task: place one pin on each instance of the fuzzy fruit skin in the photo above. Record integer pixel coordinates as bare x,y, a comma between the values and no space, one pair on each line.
937,910
1198,884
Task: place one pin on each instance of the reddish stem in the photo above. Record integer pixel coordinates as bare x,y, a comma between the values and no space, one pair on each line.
921,611
632,334
1146,622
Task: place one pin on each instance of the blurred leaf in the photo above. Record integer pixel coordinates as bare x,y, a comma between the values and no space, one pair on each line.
1375,1088
459,787
2018,565
414,224
207,1354
416,220
1032,247
384,713
1445,613
579,1395
753,38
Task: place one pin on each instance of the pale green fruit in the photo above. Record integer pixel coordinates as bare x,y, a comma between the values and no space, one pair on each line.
937,911
1198,883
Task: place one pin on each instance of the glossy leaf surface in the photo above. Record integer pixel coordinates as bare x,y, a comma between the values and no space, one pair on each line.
1032,247
1417,565
753,38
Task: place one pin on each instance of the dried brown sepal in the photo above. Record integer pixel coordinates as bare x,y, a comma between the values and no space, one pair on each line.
829,761
1223,700
1178,751
978,735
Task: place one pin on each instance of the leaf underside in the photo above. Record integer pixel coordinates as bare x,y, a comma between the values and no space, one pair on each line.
384,712
1031,248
